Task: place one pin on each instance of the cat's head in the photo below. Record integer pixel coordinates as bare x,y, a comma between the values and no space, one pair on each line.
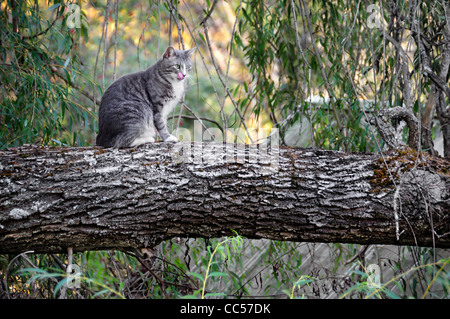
177,63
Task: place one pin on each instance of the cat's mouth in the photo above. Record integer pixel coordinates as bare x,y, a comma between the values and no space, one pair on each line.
180,76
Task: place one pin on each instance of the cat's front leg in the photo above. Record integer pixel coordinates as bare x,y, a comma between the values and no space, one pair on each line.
161,126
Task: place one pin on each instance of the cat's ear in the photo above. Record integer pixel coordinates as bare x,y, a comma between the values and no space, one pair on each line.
170,52
190,52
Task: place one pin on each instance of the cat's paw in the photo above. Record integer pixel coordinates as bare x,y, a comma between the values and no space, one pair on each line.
171,138
142,140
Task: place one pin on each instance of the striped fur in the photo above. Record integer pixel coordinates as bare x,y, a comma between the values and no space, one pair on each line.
134,105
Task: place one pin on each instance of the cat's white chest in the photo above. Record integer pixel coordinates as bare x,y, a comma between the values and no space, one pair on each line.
178,92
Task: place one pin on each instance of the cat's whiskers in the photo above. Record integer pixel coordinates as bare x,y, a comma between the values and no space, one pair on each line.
188,78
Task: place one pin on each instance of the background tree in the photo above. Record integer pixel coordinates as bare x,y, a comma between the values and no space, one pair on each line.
343,75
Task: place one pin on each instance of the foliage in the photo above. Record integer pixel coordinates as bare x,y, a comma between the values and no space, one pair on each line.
370,289
39,73
213,267
217,269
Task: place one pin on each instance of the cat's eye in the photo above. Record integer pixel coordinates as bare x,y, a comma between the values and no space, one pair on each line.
177,66
188,67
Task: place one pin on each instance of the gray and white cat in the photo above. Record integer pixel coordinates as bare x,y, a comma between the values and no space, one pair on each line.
134,105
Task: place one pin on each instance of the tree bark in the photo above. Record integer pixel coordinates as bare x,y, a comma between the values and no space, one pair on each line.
90,198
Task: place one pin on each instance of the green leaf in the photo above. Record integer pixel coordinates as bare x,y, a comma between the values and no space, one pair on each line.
53,7
217,274
30,270
391,294
103,291
67,62
59,285
194,274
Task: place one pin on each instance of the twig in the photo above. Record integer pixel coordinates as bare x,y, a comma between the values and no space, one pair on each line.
209,74
439,83
98,53
222,113
116,17
135,255
305,14
225,119
200,119
201,56
159,31
44,31
6,274
62,294
86,94
187,117
297,38
104,43
225,85
202,23
159,279
360,254
139,44
397,208
177,22
407,113
427,121
407,92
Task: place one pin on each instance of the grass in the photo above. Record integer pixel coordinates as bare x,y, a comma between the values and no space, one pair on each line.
220,268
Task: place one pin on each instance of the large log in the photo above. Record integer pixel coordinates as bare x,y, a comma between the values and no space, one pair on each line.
91,198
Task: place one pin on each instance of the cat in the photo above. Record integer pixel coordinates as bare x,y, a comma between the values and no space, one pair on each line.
134,105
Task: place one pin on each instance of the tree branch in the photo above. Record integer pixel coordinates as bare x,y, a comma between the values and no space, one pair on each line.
440,84
92,198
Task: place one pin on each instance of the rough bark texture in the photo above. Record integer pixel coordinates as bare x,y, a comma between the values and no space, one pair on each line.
93,198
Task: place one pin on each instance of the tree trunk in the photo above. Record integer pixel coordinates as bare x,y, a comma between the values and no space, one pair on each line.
91,198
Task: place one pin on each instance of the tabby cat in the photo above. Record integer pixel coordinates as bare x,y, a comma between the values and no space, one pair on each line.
134,105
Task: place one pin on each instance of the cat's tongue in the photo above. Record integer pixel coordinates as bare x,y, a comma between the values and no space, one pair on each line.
180,76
